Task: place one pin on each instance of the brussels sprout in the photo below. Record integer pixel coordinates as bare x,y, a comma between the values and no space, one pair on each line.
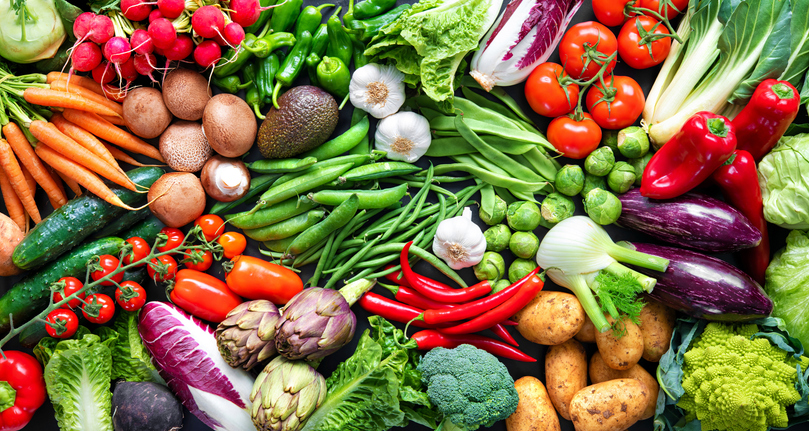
610,139
497,215
640,165
600,161
491,267
520,268
523,215
500,285
592,182
557,207
621,177
569,180
497,237
602,206
633,142
524,244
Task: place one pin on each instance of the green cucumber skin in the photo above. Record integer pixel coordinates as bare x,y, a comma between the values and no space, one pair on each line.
147,230
129,219
31,295
76,220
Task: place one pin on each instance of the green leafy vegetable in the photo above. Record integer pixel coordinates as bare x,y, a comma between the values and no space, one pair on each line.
786,285
799,44
130,359
783,175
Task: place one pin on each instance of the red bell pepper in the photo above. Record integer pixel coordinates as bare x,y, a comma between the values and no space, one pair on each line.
705,141
22,389
764,120
739,182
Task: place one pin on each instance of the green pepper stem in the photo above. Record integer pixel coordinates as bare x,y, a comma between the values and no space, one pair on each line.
8,396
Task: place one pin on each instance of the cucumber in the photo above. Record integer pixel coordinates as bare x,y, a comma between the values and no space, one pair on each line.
30,295
76,220
124,222
147,229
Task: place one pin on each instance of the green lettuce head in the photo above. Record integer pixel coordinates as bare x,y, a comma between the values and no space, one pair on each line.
783,175
786,281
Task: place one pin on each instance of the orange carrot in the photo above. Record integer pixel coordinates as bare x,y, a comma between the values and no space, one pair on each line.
62,85
108,132
84,138
80,174
71,183
22,148
56,179
61,99
29,180
124,157
113,93
17,180
118,121
48,134
78,79
14,206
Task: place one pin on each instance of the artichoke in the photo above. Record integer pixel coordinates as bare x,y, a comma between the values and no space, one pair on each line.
247,335
285,394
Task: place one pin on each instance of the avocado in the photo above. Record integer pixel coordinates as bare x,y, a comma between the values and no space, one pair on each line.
306,118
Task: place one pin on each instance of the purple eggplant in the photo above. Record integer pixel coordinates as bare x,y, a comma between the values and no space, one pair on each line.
692,220
704,286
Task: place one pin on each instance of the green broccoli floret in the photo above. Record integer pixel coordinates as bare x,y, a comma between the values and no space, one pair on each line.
469,386
734,383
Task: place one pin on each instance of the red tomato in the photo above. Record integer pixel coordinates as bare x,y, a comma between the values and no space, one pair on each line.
233,244
673,7
255,278
140,249
61,323
584,41
65,287
544,93
574,139
634,49
200,260
107,264
611,12
174,238
130,296
212,225
203,295
617,107
99,308
162,268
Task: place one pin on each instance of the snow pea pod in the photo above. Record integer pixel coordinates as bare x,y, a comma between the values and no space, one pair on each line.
380,170
287,227
257,185
342,143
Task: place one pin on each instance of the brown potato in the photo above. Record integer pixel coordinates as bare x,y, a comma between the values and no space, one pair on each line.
624,352
550,318
534,411
10,236
614,405
600,372
565,373
656,326
587,333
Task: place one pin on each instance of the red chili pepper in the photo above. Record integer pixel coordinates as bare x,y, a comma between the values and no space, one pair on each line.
502,312
430,339
22,389
391,310
739,182
704,142
766,116
509,322
504,335
439,291
394,277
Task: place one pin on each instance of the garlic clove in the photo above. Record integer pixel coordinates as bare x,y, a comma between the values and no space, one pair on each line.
459,241
378,90
403,136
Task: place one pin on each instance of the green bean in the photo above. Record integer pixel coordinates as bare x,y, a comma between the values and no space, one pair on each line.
354,160
321,262
380,170
470,109
417,184
499,93
342,143
419,205
487,199
494,179
354,259
301,184
267,216
257,185
338,218
273,254
368,199
505,195
447,123
280,245
483,102
306,254
297,263
280,166
286,228
543,163
349,229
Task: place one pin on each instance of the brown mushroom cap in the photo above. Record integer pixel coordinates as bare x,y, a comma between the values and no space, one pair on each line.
184,147
224,179
229,124
145,113
186,93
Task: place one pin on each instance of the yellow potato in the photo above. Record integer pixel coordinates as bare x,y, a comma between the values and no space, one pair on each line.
600,372
565,373
550,318
614,405
534,411
656,326
621,353
587,333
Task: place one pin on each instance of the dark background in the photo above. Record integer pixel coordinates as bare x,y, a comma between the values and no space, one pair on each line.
44,419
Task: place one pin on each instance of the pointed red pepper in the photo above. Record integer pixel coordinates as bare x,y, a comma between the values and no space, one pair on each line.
764,120
704,142
739,182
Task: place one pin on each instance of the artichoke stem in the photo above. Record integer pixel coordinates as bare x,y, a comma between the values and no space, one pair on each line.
352,292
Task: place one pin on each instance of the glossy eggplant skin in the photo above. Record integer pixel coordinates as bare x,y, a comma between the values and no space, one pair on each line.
692,220
704,286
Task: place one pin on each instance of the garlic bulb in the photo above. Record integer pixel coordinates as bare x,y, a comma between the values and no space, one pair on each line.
378,90
459,241
404,136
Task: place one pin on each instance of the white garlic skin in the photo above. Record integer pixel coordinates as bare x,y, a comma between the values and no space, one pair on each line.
403,136
459,234
377,76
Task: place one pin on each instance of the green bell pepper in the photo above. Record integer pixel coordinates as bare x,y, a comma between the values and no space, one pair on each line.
333,76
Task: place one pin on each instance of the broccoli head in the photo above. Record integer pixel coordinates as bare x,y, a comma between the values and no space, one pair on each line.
469,386
733,382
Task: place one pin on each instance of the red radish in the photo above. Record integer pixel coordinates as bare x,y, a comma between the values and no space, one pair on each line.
155,15
208,21
101,29
136,10
234,34
171,8
162,33
128,72
83,24
159,51
144,64
104,73
141,42
244,12
207,53
181,49
86,56
117,50
220,40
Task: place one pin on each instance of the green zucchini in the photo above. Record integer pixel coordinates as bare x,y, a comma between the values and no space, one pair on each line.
147,229
124,222
31,295
76,220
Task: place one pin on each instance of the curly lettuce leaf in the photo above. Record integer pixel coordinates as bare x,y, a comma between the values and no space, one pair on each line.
130,359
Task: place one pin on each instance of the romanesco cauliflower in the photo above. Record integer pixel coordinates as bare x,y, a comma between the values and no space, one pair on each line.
734,383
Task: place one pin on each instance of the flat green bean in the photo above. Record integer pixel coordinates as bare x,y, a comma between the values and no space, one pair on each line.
280,166
495,179
368,199
447,122
499,93
301,185
338,218
487,200
483,102
543,163
286,228
353,159
354,259
505,195
321,262
342,143
470,109
267,216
